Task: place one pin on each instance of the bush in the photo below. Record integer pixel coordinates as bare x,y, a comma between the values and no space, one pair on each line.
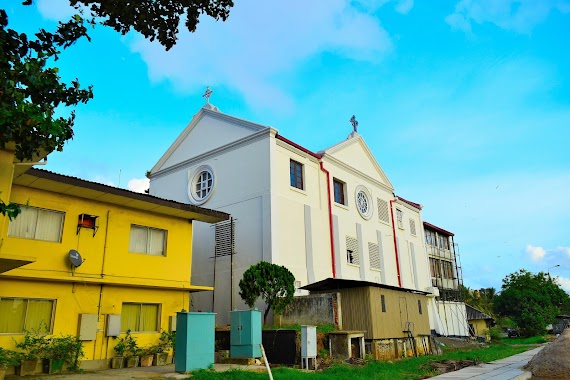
34,345
8,358
126,346
495,332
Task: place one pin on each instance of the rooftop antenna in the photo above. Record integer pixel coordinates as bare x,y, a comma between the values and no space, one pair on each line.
119,178
354,123
207,94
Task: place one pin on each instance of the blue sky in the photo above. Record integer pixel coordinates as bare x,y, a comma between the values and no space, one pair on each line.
464,103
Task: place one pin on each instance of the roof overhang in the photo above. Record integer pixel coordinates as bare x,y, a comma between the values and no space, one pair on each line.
438,229
337,283
9,262
58,183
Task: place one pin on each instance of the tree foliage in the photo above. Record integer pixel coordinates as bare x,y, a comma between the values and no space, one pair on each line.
31,90
155,19
275,284
531,300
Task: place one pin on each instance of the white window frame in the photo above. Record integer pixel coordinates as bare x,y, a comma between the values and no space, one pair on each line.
148,248
197,184
400,218
27,300
12,232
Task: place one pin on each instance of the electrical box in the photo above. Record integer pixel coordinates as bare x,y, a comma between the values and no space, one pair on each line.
172,323
195,341
113,324
88,326
245,334
308,341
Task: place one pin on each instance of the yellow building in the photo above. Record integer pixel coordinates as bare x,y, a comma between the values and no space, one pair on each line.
479,322
82,256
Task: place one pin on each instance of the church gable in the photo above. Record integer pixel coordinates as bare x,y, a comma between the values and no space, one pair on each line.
354,153
208,130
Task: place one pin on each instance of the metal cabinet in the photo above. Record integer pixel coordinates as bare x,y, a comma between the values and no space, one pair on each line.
195,341
245,334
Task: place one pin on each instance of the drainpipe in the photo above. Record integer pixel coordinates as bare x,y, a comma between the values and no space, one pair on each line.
330,218
395,242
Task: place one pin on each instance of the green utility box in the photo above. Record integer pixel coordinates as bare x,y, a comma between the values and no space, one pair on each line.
195,341
245,334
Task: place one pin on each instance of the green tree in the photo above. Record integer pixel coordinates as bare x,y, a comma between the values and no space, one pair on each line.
31,90
275,284
531,300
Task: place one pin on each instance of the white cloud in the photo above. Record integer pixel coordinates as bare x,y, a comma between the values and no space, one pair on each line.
138,184
564,283
103,180
57,10
536,253
518,15
565,250
261,42
404,6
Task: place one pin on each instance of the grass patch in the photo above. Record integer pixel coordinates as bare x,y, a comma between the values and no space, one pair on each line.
530,340
405,369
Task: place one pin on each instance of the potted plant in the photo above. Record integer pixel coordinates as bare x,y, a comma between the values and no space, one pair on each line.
8,358
60,350
125,350
147,355
34,346
165,343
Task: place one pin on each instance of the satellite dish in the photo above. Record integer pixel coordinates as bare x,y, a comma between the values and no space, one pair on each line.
75,258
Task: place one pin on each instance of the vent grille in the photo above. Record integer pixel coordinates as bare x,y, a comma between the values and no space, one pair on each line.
383,211
352,256
374,256
412,227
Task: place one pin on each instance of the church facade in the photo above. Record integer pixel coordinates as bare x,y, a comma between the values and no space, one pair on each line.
327,214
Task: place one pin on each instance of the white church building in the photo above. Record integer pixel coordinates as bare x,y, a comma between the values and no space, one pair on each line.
326,214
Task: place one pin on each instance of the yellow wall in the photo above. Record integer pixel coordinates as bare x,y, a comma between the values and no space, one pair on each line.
110,274
6,173
480,326
107,257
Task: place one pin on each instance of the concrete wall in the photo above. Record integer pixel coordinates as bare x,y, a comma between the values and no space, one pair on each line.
314,309
453,318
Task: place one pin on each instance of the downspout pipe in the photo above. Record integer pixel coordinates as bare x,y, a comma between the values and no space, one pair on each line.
330,218
319,158
395,242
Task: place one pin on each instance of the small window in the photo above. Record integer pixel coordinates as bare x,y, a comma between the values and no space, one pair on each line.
339,192
38,224
21,314
383,302
147,240
399,218
420,306
412,227
443,242
352,256
297,286
296,174
430,238
140,317
201,184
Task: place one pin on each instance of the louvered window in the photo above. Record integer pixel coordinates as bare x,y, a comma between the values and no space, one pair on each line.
383,211
352,256
374,256
225,233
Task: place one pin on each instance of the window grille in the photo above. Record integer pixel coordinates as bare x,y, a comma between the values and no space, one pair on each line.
352,256
412,227
383,211
374,256
383,302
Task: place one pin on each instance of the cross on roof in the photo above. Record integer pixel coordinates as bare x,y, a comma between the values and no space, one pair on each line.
207,94
354,122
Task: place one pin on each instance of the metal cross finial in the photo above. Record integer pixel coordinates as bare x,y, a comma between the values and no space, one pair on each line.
207,94
354,122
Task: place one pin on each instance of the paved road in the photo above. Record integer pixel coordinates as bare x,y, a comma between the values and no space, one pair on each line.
505,369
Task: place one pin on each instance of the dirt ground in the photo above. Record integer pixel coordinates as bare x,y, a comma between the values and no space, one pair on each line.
458,342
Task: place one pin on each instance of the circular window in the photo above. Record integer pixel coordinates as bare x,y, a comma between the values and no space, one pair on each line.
363,202
201,185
